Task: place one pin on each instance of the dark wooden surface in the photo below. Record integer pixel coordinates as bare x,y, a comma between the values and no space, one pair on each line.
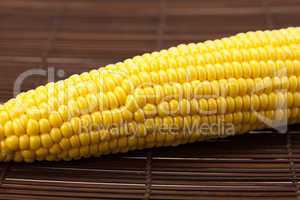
80,35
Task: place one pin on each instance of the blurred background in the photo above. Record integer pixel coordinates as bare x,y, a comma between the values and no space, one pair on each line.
79,35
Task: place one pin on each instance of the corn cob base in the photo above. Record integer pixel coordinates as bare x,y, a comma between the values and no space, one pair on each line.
184,94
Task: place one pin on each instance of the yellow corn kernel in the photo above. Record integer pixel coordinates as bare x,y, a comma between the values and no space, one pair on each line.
139,115
74,153
34,113
56,135
150,110
44,126
113,100
104,135
33,127
75,142
18,157
18,127
24,142
4,117
8,129
28,155
106,118
95,137
41,152
84,139
116,116
104,148
55,149
65,144
46,140
55,120
163,109
66,130
120,94
12,142
35,142
126,114
92,101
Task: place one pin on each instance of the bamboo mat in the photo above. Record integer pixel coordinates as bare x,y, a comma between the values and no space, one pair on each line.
80,35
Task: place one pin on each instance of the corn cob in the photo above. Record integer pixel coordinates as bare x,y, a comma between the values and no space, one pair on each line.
248,81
